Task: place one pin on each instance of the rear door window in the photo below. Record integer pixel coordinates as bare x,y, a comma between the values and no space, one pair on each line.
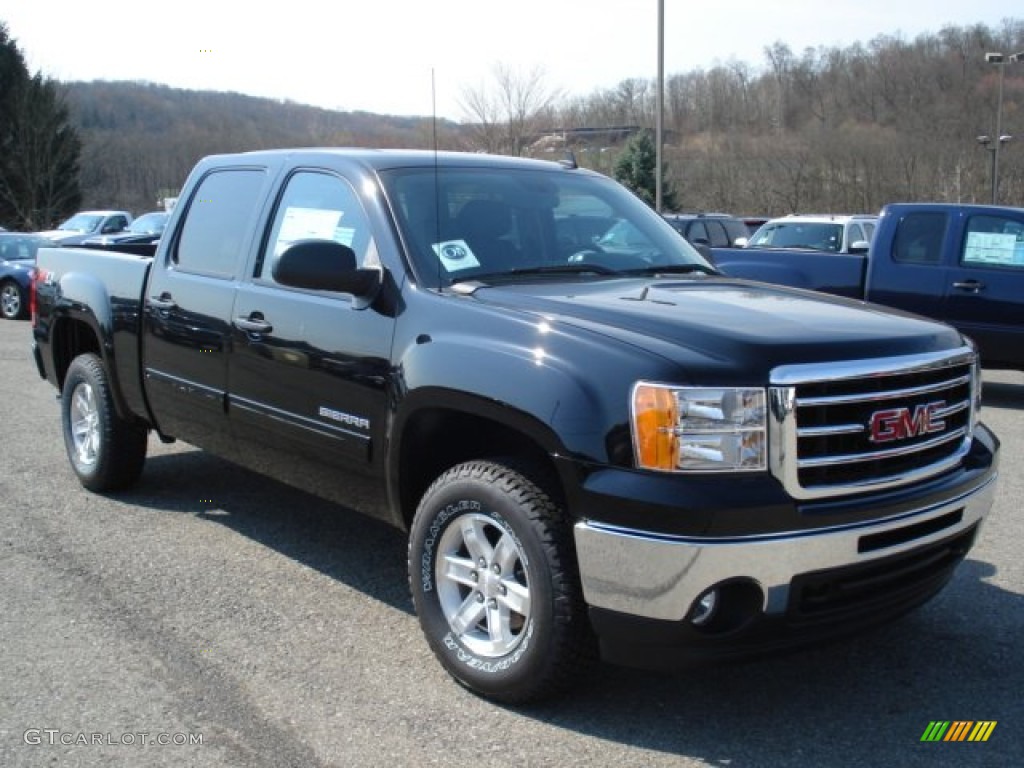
919,238
219,222
718,236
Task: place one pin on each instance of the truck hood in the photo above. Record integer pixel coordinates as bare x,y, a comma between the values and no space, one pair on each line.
735,326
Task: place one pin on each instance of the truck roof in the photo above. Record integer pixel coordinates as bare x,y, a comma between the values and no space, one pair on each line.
380,159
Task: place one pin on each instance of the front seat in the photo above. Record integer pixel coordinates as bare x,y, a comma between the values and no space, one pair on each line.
483,224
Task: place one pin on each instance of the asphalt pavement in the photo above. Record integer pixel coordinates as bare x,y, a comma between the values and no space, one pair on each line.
211,617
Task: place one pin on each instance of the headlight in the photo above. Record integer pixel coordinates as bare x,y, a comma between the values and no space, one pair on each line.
699,429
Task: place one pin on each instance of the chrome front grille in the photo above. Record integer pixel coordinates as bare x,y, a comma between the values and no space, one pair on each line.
871,424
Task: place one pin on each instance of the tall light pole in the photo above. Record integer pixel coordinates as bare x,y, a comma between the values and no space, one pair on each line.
992,147
1000,61
659,123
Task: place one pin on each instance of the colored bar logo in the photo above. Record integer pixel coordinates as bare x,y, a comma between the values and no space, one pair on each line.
959,730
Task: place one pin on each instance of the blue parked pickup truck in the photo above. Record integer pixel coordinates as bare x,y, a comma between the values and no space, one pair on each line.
962,264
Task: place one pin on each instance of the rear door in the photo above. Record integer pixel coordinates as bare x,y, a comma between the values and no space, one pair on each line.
188,305
911,275
985,284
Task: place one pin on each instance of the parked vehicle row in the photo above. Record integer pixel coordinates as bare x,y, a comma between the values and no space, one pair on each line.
90,229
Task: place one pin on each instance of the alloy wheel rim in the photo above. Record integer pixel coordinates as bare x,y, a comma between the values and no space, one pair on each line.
10,301
483,585
85,424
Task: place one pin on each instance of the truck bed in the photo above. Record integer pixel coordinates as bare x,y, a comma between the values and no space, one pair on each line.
841,274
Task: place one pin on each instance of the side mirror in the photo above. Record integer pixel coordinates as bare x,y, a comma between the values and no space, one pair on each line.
859,246
739,242
324,265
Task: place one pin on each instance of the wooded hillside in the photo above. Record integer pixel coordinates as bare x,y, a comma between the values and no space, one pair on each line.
826,129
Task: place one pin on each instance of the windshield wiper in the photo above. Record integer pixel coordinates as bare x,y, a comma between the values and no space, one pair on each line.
547,269
671,269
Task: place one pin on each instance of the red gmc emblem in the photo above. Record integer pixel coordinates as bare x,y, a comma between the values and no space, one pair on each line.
904,423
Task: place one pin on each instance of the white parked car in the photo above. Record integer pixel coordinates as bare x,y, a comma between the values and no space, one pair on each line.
86,224
817,232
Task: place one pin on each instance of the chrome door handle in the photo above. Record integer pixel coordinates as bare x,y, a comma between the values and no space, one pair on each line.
253,324
163,301
969,285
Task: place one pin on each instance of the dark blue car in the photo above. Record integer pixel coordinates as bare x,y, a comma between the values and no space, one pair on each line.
17,266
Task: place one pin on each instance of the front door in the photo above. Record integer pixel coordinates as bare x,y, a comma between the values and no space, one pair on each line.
985,287
309,374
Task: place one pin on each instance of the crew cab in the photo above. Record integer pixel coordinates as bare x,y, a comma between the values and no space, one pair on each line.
962,264
612,452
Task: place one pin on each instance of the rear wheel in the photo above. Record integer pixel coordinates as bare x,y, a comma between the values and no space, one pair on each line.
13,304
494,581
106,451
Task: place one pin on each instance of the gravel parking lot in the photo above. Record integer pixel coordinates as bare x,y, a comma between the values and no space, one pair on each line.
211,605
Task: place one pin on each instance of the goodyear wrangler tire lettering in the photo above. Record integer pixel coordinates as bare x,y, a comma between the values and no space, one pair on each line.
493,577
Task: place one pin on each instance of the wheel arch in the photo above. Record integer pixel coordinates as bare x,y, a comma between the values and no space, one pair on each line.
74,334
436,437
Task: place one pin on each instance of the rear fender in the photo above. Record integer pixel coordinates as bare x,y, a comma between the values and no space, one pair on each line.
82,321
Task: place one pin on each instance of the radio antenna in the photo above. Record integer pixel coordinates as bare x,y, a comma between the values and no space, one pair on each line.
437,183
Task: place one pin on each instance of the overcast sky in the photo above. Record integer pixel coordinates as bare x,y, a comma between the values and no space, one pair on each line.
378,55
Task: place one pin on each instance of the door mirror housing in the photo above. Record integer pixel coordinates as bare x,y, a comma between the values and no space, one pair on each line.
324,265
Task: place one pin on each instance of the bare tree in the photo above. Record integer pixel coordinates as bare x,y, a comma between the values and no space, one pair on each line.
485,118
506,115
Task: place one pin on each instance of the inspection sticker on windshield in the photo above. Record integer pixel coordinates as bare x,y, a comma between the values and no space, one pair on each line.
455,255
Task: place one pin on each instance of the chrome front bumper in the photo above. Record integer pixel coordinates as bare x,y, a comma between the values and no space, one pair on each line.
660,577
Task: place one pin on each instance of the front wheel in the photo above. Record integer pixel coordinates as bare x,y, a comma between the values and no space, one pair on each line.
106,451
494,582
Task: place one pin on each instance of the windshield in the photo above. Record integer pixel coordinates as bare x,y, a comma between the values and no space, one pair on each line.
797,234
504,224
14,246
150,224
81,222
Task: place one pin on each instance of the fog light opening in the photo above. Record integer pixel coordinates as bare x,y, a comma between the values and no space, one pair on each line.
729,606
704,608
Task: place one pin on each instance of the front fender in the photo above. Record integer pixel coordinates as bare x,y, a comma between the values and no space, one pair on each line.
567,400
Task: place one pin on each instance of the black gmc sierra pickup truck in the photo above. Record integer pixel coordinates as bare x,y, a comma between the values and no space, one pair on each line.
595,450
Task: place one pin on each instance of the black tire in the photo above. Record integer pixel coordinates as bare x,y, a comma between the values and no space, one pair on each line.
517,635
13,301
106,451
